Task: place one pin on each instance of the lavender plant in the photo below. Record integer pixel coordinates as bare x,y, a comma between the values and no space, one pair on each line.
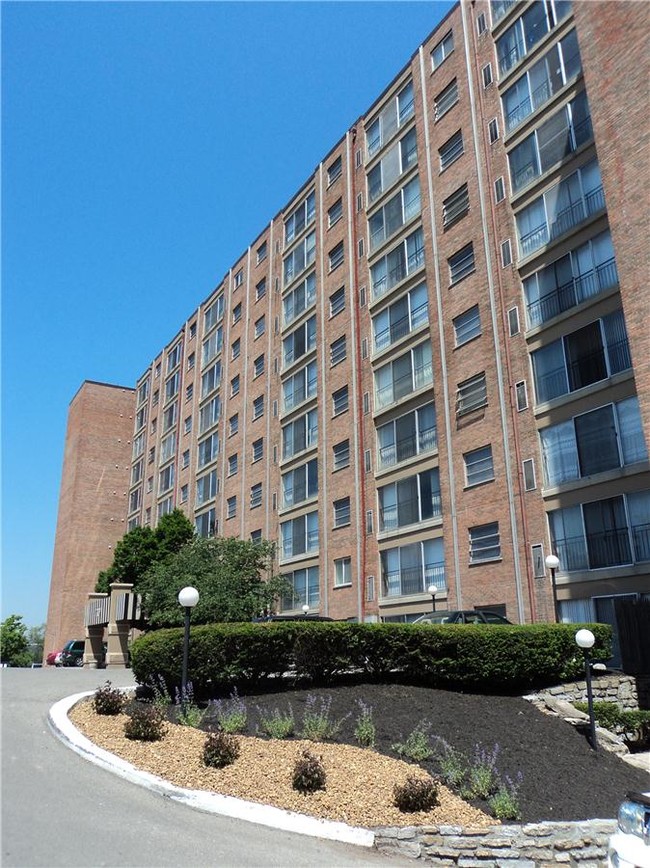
483,777
188,713
504,803
365,730
276,724
453,763
417,746
317,724
231,713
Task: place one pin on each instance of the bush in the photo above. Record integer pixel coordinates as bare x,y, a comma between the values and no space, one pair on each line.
416,747
417,794
634,726
309,773
220,749
277,724
108,700
145,724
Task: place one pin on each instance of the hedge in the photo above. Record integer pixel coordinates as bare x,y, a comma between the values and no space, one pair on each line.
478,657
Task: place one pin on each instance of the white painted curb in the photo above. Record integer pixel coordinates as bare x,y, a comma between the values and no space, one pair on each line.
227,806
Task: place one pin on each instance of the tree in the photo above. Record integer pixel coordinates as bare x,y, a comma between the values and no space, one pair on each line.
14,645
35,642
172,532
234,579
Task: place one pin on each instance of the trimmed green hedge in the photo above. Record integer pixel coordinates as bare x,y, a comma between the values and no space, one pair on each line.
478,657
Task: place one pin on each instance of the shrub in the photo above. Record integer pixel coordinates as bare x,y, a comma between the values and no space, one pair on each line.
277,724
417,794
145,724
309,773
416,747
453,764
365,730
108,700
231,713
220,749
634,726
504,803
483,777
187,711
316,722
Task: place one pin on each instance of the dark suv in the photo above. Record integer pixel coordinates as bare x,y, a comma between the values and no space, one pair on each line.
73,653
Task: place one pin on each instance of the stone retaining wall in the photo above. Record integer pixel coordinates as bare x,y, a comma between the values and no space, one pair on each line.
606,688
532,845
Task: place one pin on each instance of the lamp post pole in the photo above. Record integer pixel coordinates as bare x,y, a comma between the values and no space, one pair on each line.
553,562
585,639
188,598
433,590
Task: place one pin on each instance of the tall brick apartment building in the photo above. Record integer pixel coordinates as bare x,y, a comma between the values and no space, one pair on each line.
431,368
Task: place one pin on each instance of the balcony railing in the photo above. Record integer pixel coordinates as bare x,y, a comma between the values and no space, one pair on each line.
425,441
402,326
416,580
610,548
389,516
391,278
573,293
404,385
564,221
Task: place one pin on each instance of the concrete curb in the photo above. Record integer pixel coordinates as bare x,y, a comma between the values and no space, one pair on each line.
214,803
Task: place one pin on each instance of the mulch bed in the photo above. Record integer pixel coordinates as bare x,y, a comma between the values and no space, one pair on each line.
563,778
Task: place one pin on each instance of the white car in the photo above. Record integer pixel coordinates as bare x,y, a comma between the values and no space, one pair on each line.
629,847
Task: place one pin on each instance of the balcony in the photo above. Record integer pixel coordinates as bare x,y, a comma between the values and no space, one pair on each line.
565,220
610,548
407,512
419,444
573,293
404,385
414,580
403,326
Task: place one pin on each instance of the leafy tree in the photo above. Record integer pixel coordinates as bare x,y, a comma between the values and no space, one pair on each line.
228,574
35,642
172,532
14,645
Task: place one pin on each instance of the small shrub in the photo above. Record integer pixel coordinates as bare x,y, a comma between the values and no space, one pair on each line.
187,711
417,794
108,700
231,713
277,724
634,726
309,773
220,749
365,730
146,723
453,764
316,723
483,778
416,747
504,804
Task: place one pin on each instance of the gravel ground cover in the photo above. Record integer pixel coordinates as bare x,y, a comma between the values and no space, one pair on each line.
562,778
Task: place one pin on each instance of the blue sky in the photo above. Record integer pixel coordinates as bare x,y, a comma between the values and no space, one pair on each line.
145,145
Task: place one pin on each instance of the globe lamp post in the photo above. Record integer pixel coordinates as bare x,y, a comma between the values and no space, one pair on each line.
552,563
585,639
188,598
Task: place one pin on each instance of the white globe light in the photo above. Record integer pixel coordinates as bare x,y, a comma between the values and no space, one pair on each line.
552,562
305,608
585,639
188,597
432,589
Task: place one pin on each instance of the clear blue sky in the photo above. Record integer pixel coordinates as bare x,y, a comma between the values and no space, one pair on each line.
145,145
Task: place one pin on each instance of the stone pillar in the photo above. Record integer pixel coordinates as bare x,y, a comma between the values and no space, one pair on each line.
117,654
94,647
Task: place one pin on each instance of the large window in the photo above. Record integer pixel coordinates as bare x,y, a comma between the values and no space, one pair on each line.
299,342
586,356
403,316
479,466
210,380
300,257
404,205
405,375
442,49
394,115
397,160
211,346
412,569
206,523
299,299
170,416
209,414
409,501
206,487
300,434
168,446
299,536
300,218
213,314
299,387
414,433
603,439
401,261
208,450
451,150
166,478
521,37
578,275
467,325
304,590
300,484
461,263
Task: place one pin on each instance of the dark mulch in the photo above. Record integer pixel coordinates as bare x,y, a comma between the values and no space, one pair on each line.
563,778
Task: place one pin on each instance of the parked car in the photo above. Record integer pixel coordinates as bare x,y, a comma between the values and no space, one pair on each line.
73,653
293,618
463,616
630,845
53,658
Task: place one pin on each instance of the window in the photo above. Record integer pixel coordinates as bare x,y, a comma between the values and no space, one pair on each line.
184,492
209,414
256,536
168,446
336,256
446,99
443,49
206,488
211,346
135,499
487,75
300,484
256,495
506,253
455,206
208,450
335,213
404,375
262,252
481,24
231,507
157,370
414,433
479,466
520,38
397,111
210,380
461,263
337,301
234,386
367,460
370,527
411,569
260,327
260,289
300,218
493,130
258,366
342,572
340,401
341,452
521,391
239,278
187,425
170,416
150,485
166,478
404,316
140,418
409,501
233,424
370,589
189,392
191,361
258,449
513,321
152,454
299,299
206,524
467,326
471,394
484,543
300,434
300,257
499,190
337,351
154,425
235,349
143,392
138,445
528,467
171,386
299,342
334,171
299,387
403,260
299,536
236,313
213,313
173,357
452,149
165,507
136,472
401,208
341,512
359,202
258,407
304,589
232,464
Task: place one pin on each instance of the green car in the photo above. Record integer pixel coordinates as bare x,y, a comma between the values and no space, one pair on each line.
73,653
